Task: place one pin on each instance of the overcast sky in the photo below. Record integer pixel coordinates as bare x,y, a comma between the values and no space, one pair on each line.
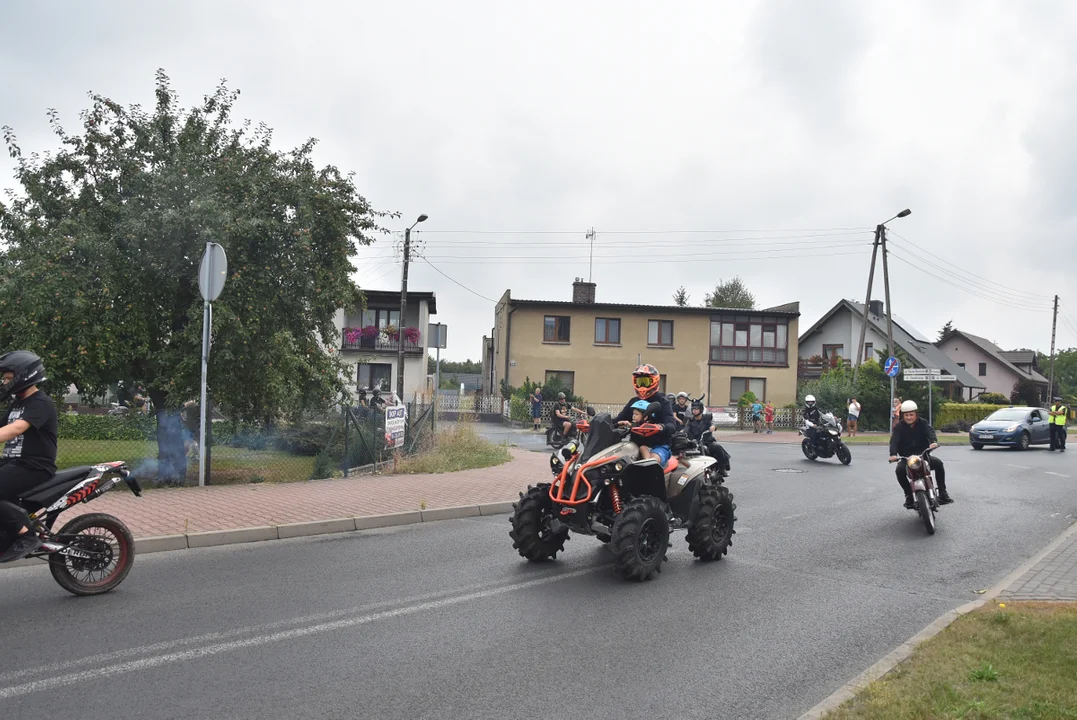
701,140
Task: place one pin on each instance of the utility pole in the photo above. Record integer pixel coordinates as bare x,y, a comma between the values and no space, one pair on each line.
881,231
1051,379
403,313
591,236
867,304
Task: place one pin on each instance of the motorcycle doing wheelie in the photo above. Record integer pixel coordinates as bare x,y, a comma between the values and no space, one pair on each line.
606,490
925,495
92,553
827,441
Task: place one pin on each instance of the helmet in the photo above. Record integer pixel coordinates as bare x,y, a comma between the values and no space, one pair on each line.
641,405
27,368
682,395
697,405
809,400
908,406
560,396
645,381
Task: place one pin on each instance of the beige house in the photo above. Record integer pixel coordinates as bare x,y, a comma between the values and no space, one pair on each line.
593,347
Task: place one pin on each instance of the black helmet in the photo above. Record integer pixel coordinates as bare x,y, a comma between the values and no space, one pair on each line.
27,368
697,405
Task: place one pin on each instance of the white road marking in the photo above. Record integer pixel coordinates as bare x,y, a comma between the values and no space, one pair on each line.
1019,467
1048,472
216,649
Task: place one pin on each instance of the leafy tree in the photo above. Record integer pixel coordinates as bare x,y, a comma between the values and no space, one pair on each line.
946,330
102,244
1026,392
731,294
680,298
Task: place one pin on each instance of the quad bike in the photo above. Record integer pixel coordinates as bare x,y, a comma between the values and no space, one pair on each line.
828,441
924,494
604,489
555,436
93,553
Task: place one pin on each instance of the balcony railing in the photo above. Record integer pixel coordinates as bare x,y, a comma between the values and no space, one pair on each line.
382,343
815,368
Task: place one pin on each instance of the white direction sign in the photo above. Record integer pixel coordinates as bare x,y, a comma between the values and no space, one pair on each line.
932,378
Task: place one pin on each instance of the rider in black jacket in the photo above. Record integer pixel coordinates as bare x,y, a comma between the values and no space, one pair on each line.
812,416
699,424
912,436
645,382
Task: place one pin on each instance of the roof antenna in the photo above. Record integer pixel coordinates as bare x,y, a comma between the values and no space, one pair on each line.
591,236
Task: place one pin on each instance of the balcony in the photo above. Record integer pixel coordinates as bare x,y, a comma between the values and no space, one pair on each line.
369,339
815,367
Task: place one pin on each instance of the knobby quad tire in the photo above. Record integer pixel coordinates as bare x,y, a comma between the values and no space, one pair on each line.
844,454
712,532
531,534
640,539
923,507
62,572
808,450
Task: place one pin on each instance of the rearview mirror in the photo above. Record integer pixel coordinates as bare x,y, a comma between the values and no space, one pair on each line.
653,408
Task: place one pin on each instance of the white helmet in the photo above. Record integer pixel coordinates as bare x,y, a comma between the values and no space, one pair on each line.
682,395
809,399
908,406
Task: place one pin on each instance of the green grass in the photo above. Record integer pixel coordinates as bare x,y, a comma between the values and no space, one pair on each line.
885,439
460,448
1017,661
228,465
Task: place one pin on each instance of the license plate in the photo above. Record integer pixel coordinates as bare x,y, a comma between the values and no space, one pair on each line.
987,437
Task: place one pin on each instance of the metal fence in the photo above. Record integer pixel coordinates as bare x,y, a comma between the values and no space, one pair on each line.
164,450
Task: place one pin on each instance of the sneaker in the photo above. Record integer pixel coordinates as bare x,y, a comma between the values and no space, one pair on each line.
24,545
909,503
944,498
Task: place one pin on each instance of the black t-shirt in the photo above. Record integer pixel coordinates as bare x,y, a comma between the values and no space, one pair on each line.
35,448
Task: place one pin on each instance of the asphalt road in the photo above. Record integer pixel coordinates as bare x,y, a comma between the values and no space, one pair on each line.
443,620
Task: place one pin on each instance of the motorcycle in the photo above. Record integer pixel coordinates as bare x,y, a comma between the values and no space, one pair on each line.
93,553
555,436
604,489
828,441
924,493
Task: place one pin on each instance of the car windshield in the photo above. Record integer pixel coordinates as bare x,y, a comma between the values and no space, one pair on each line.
1007,415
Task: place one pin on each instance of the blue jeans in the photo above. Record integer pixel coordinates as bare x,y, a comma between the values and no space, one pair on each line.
662,453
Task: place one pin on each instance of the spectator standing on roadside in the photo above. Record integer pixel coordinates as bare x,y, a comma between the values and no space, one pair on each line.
536,406
854,416
768,415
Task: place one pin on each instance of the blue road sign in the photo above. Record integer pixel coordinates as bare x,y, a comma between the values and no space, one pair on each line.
892,366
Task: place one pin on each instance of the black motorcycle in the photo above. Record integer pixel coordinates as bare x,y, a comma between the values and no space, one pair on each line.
555,436
827,442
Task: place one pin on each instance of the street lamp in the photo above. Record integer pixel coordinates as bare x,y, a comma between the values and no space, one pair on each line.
880,239
403,311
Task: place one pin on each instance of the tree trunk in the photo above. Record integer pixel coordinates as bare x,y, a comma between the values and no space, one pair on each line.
171,448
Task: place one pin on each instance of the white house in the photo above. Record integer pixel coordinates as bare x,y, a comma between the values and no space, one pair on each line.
996,369
371,337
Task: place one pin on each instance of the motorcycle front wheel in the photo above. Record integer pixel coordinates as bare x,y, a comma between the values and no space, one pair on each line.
844,455
808,449
923,506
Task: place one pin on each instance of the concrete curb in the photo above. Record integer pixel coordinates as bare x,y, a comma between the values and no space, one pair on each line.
904,650
215,538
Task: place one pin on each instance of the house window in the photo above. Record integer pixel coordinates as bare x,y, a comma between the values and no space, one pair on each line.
660,332
375,375
555,329
961,365
869,351
381,317
749,340
607,331
983,369
833,351
739,385
566,379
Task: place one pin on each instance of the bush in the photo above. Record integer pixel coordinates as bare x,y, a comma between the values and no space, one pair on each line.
993,398
520,409
746,399
107,427
957,426
308,440
969,413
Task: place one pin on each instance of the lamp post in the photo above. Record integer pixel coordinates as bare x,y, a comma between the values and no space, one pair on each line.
403,312
880,239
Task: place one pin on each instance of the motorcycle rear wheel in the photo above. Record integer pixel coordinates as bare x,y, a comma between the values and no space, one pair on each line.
112,540
923,506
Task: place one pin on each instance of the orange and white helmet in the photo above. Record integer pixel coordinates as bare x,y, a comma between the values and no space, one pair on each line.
645,381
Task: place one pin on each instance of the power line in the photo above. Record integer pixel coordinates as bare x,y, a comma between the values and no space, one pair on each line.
711,242
458,283
994,286
619,256
462,260
950,282
742,239
633,232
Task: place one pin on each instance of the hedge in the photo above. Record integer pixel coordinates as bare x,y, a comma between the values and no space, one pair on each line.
969,412
106,427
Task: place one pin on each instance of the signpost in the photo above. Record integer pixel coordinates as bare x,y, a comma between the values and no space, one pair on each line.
212,272
892,368
436,335
395,423
930,376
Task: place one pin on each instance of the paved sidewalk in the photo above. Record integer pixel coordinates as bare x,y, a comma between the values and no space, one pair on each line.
181,511
1052,578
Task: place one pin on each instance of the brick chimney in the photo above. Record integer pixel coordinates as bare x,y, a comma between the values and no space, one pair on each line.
583,293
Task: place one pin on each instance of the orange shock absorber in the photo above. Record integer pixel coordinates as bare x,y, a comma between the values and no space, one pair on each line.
615,496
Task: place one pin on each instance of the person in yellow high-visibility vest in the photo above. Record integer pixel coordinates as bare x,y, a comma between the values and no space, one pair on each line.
1058,415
